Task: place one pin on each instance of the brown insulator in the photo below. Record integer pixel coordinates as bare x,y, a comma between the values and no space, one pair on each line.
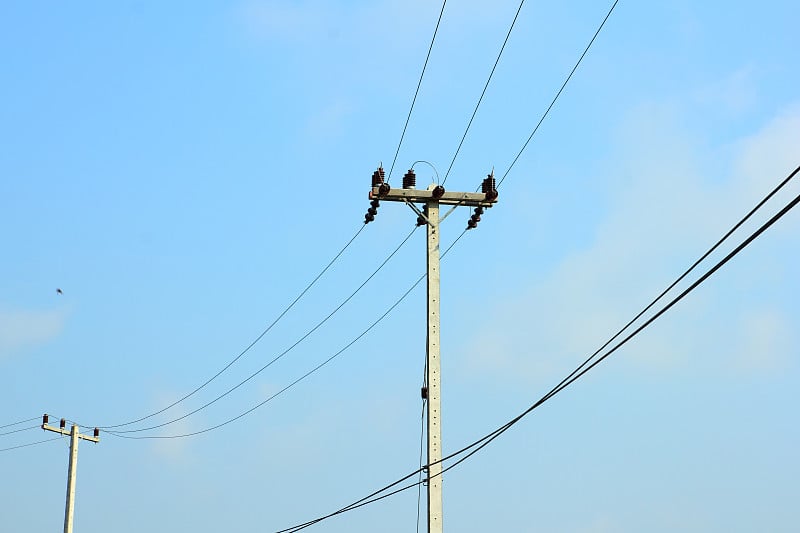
410,180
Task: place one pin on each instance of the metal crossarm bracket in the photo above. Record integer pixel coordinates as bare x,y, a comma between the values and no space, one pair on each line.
417,211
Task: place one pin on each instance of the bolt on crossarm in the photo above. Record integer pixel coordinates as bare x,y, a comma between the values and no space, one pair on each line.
431,198
72,472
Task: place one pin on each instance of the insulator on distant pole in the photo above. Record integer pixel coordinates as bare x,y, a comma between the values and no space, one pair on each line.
96,433
410,180
45,419
62,424
437,192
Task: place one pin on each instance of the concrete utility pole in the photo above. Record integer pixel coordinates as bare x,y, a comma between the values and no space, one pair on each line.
73,463
432,198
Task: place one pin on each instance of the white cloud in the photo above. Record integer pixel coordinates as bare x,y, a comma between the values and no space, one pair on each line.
25,329
174,451
765,342
665,211
734,94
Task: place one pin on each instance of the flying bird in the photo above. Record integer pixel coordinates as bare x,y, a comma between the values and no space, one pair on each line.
59,291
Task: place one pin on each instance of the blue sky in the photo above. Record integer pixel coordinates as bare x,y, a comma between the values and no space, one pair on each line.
182,172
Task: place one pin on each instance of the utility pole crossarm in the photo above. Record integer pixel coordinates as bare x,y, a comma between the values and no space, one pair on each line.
472,199
64,431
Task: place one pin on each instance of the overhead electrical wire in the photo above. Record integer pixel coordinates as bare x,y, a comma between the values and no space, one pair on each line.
416,92
299,379
525,145
3,434
486,86
20,422
397,151
688,271
422,433
560,90
29,444
207,382
421,462
284,352
250,346
586,366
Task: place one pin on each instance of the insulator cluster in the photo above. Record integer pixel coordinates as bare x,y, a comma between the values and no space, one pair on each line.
410,180
378,177
378,180
472,223
421,220
489,187
372,211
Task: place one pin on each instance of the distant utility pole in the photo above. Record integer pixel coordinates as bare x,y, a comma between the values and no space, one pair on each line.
432,198
75,436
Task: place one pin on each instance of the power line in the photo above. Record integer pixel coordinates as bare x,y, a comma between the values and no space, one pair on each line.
284,352
18,430
580,371
424,395
29,444
302,293
475,111
301,378
689,270
563,85
576,375
19,422
253,343
419,83
292,384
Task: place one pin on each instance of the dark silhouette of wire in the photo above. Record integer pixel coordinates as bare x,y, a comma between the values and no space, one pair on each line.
430,165
301,378
247,349
475,111
284,352
292,384
563,85
422,433
419,83
484,441
20,422
577,375
688,271
29,444
18,430
421,455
